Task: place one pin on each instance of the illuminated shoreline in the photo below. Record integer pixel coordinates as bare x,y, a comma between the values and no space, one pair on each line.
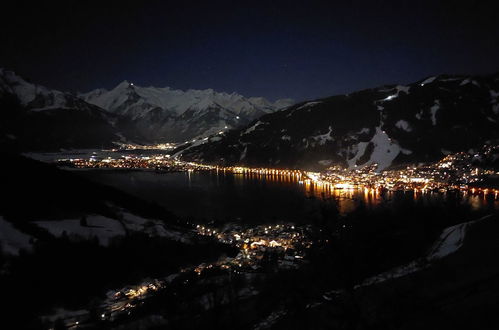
449,174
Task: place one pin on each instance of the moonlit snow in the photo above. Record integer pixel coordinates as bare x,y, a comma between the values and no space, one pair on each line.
385,151
13,240
434,110
403,125
176,101
450,241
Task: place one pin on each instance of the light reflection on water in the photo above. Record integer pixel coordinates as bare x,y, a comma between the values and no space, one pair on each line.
256,197
348,200
187,191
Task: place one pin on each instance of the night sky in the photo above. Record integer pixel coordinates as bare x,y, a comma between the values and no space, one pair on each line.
272,49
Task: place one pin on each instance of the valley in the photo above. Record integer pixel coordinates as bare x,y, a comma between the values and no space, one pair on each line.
146,207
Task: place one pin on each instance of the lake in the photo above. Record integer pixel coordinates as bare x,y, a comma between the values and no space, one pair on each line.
257,198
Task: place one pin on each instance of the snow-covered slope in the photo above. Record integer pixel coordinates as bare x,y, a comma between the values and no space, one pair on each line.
450,241
386,126
67,205
175,115
128,98
105,229
36,117
12,240
36,97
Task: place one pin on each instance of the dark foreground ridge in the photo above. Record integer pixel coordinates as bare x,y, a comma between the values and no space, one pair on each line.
65,241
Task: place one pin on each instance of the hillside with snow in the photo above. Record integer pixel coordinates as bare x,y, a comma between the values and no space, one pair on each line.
165,114
386,126
35,117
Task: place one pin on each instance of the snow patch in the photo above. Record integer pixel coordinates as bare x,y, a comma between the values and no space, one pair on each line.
270,320
465,82
494,95
428,81
405,151
394,273
97,226
197,142
401,88
309,104
65,314
365,130
403,125
359,150
105,229
13,240
419,115
243,154
121,137
451,79
154,228
433,111
385,151
449,242
252,128
398,88
323,138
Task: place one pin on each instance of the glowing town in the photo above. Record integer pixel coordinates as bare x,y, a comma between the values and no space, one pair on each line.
453,172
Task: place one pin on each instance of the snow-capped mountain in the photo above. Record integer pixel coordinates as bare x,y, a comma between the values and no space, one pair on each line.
35,117
36,97
165,114
386,126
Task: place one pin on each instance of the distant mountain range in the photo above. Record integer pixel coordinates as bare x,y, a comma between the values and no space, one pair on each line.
389,125
34,117
164,114
37,118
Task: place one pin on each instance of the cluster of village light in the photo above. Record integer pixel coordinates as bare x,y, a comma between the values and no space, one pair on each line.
159,146
453,172
130,162
284,241
284,244
263,171
140,291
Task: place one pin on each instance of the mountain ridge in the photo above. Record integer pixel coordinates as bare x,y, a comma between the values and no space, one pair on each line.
35,117
166,114
387,125
39,118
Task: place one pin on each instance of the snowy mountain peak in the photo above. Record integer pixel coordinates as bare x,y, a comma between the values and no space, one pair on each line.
166,113
179,101
35,117
378,127
33,97
124,84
